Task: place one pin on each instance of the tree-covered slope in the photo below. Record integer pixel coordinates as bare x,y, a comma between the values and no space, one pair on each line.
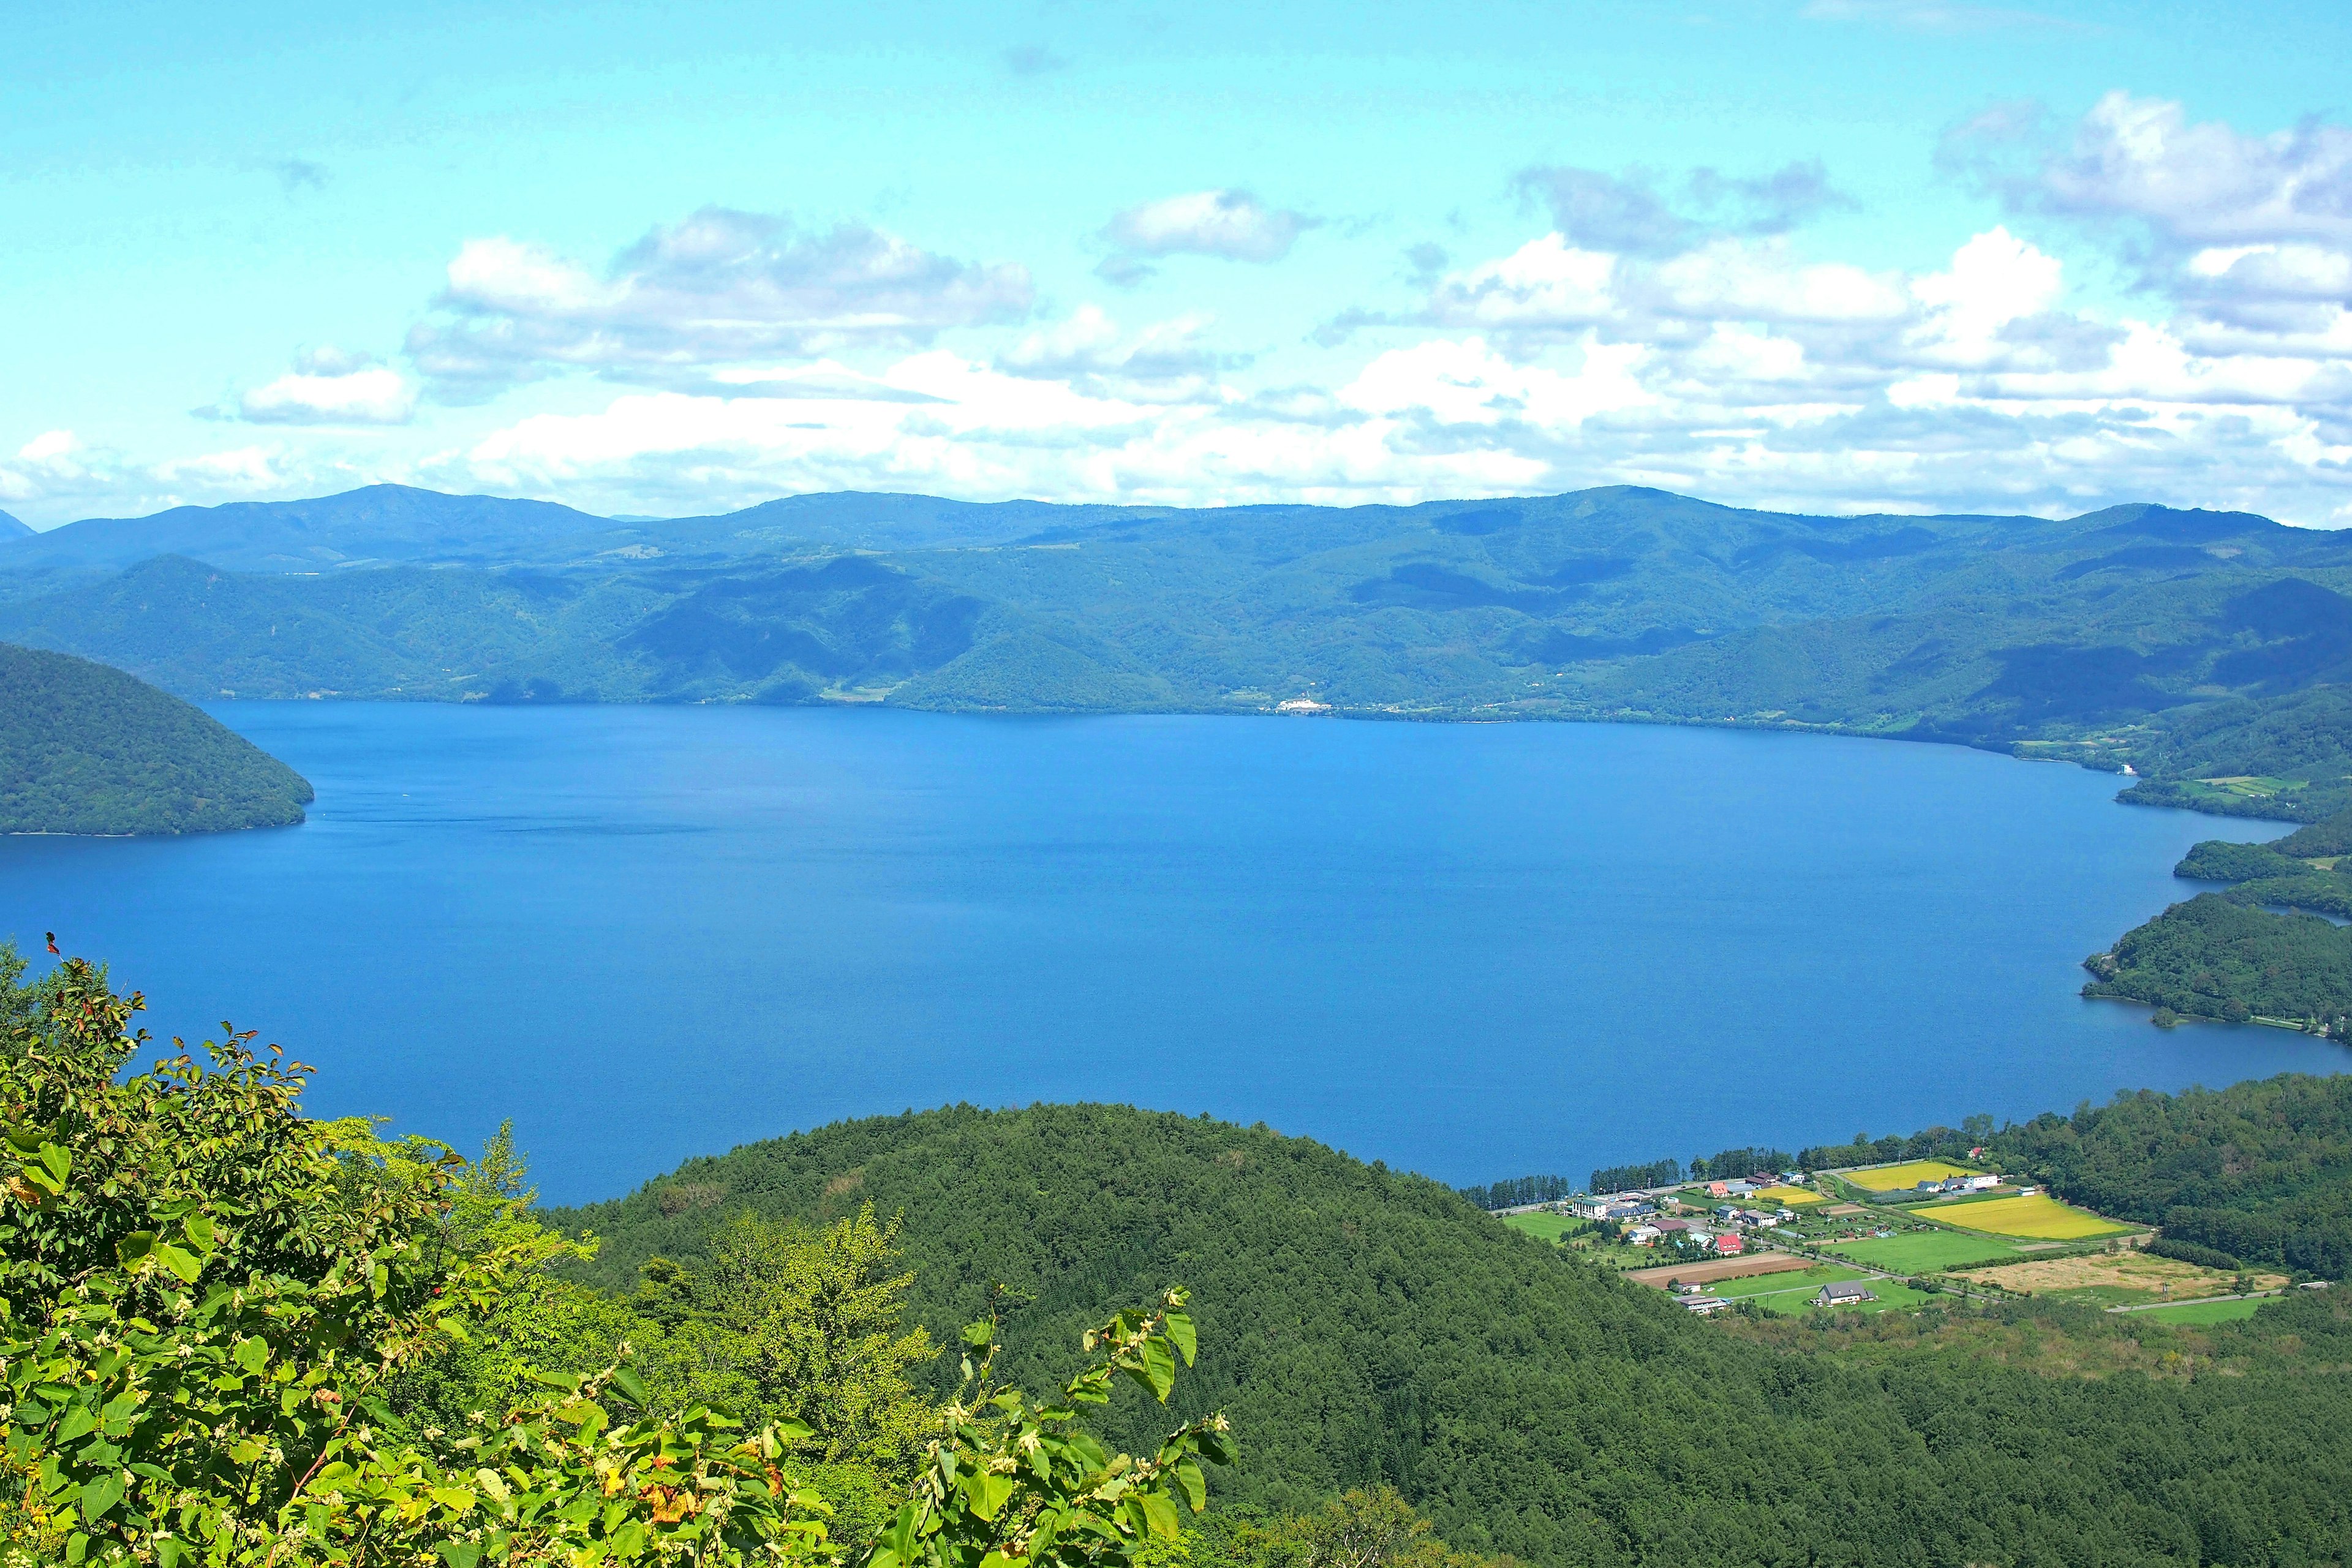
1359,1324
86,749
2192,645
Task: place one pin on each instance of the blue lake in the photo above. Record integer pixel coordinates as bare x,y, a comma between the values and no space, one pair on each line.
1477,951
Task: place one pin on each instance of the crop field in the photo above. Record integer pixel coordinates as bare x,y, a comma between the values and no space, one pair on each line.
2118,1279
1550,1226
1923,1251
1903,1178
2202,1312
2040,1217
1795,1197
1708,1271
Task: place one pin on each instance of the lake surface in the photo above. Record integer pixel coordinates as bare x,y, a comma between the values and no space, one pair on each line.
1477,951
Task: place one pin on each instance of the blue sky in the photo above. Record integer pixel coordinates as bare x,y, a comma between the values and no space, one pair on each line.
1844,255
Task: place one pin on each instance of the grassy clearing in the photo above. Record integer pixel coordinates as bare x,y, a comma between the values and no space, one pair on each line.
2202,1312
2127,1278
1800,1282
1924,1251
1550,1226
2040,1217
1904,1177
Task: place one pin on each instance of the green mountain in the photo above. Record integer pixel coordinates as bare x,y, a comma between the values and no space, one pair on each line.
1362,1325
2192,645
85,749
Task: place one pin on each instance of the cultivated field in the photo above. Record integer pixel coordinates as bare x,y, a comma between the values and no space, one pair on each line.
2116,1279
1903,1178
2041,1217
2202,1312
1550,1226
1795,1197
1922,1251
1717,1268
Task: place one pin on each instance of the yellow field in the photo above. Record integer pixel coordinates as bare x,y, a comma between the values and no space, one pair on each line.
1903,1178
2040,1217
1792,1196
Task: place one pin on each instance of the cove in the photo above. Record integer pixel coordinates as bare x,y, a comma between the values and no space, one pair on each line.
1475,950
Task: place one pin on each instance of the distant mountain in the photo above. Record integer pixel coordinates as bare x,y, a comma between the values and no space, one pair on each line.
2109,638
85,749
388,525
380,523
12,527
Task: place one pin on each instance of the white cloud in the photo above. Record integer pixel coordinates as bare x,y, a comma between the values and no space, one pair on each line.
1232,225
328,386
720,287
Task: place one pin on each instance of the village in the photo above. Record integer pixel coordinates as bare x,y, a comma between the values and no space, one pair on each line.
1887,1238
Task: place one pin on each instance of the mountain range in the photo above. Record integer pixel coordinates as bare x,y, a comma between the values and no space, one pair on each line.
2107,637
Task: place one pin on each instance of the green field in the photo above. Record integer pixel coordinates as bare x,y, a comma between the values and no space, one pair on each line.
2202,1312
1550,1226
1922,1251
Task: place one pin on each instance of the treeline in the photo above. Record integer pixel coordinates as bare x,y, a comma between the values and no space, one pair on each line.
1927,1144
1518,1191
1625,1178
1733,1163
2261,1170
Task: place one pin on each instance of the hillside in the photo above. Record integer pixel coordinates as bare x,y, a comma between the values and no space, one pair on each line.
85,749
1359,1324
2192,645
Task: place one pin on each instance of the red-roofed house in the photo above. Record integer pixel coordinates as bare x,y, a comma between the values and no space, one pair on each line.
1730,1244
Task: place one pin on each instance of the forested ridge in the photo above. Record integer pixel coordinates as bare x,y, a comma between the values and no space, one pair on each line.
2192,645
86,749
234,1335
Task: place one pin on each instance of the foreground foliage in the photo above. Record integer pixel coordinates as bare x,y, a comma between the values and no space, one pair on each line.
221,1323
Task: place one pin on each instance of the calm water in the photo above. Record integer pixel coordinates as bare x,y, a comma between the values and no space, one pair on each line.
1476,951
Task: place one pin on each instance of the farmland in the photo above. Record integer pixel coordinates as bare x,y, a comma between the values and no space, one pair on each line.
2126,1279
1903,1178
1923,1251
1547,1227
1793,1197
2040,1217
2195,1312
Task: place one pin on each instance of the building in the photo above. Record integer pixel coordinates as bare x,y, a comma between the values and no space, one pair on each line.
1730,1244
1740,1189
1670,1227
1641,1235
1704,1306
1844,1293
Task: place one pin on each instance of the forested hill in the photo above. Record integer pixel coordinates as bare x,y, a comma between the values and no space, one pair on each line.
2194,645
1359,1324
85,749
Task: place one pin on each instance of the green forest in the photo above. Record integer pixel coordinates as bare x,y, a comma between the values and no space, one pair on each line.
85,749
2193,645
1068,1335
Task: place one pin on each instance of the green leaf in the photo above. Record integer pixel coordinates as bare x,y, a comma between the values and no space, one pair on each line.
60,1161
979,1336
1158,1371
633,1387
253,1354
461,1554
186,1265
99,1495
201,1232
1180,1329
1159,1512
987,1492
80,1421
1196,1489
134,1246
457,1499
793,1431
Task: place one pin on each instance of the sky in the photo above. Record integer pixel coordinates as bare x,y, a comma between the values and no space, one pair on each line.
1839,256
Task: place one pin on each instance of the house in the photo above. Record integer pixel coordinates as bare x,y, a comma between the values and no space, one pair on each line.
2029,1192
1718,1189
1980,1183
1704,1306
1844,1293
1671,1226
1641,1235
1730,1244
1592,1208
1740,1189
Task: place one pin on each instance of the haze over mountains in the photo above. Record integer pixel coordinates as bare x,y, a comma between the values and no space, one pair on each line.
2113,628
